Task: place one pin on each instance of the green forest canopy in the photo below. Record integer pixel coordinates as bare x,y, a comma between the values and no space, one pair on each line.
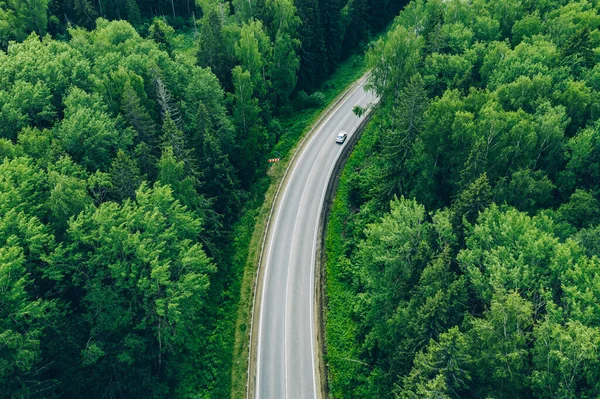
463,247
124,166
321,32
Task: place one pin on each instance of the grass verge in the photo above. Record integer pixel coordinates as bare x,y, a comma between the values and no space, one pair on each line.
340,330
250,229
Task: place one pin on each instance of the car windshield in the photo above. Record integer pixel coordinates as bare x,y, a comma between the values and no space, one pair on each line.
341,135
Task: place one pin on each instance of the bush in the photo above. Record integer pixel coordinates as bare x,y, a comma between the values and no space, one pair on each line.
359,111
316,99
301,99
304,101
275,131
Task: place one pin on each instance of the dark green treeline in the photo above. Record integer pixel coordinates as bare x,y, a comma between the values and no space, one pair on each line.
327,30
464,262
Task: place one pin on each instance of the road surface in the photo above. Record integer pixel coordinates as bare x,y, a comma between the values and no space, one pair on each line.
286,352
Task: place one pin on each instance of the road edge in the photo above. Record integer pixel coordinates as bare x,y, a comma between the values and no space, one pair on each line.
258,280
321,255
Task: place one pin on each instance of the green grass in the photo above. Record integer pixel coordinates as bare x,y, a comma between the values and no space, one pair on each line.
340,330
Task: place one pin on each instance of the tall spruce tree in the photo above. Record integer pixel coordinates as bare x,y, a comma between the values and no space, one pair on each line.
312,51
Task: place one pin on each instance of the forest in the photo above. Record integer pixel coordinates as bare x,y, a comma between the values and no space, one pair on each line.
125,164
462,250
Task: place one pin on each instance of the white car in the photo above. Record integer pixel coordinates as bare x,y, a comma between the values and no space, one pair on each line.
341,137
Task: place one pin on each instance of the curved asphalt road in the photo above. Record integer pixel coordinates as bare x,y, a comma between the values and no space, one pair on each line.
286,356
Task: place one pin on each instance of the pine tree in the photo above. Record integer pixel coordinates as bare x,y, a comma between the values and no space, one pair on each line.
218,175
86,14
173,138
405,124
470,202
357,30
211,52
124,176
331,17
137,116
286,62
165,100
162,34
132,11
312,53
577,52
33,14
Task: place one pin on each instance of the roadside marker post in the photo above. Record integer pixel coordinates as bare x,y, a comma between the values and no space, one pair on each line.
273,160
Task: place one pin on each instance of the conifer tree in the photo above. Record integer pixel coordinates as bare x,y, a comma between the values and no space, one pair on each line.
125,177
312,53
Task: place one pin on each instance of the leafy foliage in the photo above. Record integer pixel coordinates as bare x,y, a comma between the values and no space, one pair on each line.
124,165
462,255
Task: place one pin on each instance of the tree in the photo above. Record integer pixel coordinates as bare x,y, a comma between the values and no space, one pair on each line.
23,187
88,134
442,370
167,104
526,190
529,26
211,50
334,26
245,10
565,363
357,26
173,138
219,180
391,257
507,13
577,52
582,210
404,126
436,304
583,160
251,136
524,256
26,314
132,12
394,61
253,51
85,13
68,192
124,176
24,105
162,34
246,107
22,325
312,52
137,116
286,62
184,185
551,125
21,17
501,352
143,282
473,200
